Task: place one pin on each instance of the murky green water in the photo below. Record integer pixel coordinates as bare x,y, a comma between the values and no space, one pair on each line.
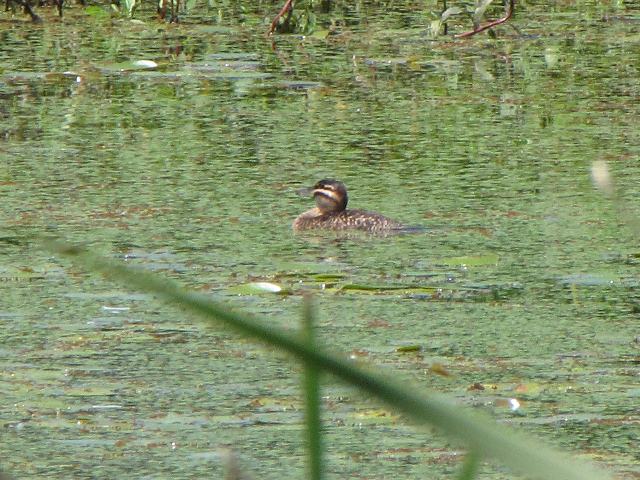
525,286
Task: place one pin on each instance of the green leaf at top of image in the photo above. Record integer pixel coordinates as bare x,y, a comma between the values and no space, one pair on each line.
470,260
480,434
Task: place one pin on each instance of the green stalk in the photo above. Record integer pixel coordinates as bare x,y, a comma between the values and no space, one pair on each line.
312,395
470,466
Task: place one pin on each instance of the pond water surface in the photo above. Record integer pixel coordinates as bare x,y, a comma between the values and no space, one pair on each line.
525,284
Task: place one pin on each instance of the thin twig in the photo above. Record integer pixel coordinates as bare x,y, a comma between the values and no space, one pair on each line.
482,28
162,10
444,9
175,8
29,10
274,23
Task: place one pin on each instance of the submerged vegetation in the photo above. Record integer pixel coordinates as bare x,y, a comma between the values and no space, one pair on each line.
177,148
481,437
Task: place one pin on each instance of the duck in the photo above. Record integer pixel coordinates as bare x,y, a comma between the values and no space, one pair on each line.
331,213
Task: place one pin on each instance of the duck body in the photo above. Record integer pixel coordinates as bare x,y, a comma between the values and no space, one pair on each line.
345,220
331,212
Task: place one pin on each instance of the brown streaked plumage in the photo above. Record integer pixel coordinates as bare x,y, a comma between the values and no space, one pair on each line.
331,212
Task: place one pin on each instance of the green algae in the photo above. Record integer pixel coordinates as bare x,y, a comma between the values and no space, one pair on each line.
488,143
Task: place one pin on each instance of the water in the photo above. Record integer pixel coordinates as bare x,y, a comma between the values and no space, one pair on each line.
524,286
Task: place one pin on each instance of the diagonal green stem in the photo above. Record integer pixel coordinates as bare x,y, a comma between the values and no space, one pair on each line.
312,395
469,466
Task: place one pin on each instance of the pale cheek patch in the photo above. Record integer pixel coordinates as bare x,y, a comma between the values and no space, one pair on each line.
327,194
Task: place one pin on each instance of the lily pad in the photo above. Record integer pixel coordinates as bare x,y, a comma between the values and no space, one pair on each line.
128,66
328,277
589,279
409,349
256,288
470,261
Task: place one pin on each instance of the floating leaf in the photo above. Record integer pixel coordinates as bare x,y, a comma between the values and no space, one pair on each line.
366,288
145,64
409,348
439,369
328,277
472,261
256,288
129,66
589,279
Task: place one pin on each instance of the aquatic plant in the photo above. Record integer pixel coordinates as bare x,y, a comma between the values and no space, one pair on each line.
482,437
301,20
